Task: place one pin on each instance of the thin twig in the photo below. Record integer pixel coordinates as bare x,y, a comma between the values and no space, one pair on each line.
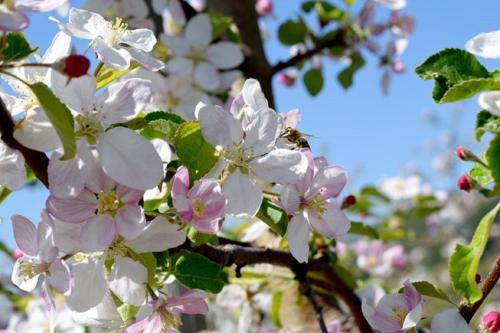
468,311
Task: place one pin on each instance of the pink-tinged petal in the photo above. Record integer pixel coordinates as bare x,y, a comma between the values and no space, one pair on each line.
39,5
73,210
25,234
209,226
298,238
123,100
47,251
329,182
12,21
114,58
139,326
412,318
156,324
244,195
145,59
219,127
12,169
449,321
67,178
224,55
380,321
59,276
67,236
180,183
291,118
90,285
98,233
159,235
199,30
130,159
142,39
130,221
129,195
282,166
207,76
290,199
332,223
127,280
22,281
191,302
412,297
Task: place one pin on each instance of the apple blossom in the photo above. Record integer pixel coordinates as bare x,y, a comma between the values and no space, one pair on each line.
202,206
378,259
193,54
40,256
113,43
395,312
162,313
310,204
12,12
246,140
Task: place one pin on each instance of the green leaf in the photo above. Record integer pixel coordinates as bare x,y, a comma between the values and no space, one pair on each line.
465,259
127,312
4,193
327,12
16,47
292,32
449,67
198,238
193,151
272,215
363,229
345,77
107,75
220,23
428,289
469,88
493,158
481,174
275,308
372,191
313,80
198,272
60,117
486,122
161,125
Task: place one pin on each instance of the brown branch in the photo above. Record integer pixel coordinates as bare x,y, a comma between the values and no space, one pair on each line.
339,39
37,161
229,254
468,311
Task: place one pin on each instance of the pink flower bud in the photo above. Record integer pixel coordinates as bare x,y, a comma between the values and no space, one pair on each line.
264,7
75,65
465,183
398,66
286,79
349,201
491,321
460,152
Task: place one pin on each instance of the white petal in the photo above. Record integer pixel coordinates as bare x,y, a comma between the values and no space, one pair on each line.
332,223
12,21
130,159
449,321
392,4
12,169
207,76
163,149
92,23
36,132
290,199
243,194
282,166
486,45
37,5
177,45
180,66
413,317
159,235
199,30
127,281
59,48
224,55
298,238
262,132
142,39
22,281
145,59
218,126
114,58
25,235
253,95
89,285
78,94
490,101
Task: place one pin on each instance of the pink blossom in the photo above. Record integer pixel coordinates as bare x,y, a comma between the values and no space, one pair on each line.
202,206
162,313
377,258
264,7
286,79
395,313
105,208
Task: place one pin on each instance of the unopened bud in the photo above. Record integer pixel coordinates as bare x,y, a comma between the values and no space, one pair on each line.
349,201
491,321
286,79
264,7
465,183
75,65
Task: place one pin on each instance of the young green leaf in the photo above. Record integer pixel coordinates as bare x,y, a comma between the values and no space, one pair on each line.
493,158
313,80
59,115
465,259
107,75
198,272
428,289
481,174
466,89
486,122
275,308
345,77
162,125
16,47
272,215
4,193
359,228
292,32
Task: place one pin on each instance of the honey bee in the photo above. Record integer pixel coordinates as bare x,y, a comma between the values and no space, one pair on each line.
297,138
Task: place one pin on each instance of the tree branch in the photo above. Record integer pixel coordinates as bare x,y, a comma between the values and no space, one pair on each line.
37,161
229,254
468,311
338,40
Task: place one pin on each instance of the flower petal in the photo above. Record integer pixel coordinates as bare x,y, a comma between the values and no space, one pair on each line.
199,30
191,302
59,276
207,76
158,235
449,321
12,21
224,55
36,131
98,233
332,223
142,39
12,169
218,126
78,94
114,58
73,210
282,166
490,101
253,95
130,221
89,285
298,238
127,281
130,159
25,235
262,131
22,281
145,59
244,196
486,44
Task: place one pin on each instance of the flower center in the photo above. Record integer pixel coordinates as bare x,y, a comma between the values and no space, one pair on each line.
169,320
171,101
399,314
89,126
108,202
117,30
29,270
237,156
317,203
198,208
197,54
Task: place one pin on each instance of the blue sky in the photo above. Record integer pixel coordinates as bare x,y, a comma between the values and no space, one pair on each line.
369,134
